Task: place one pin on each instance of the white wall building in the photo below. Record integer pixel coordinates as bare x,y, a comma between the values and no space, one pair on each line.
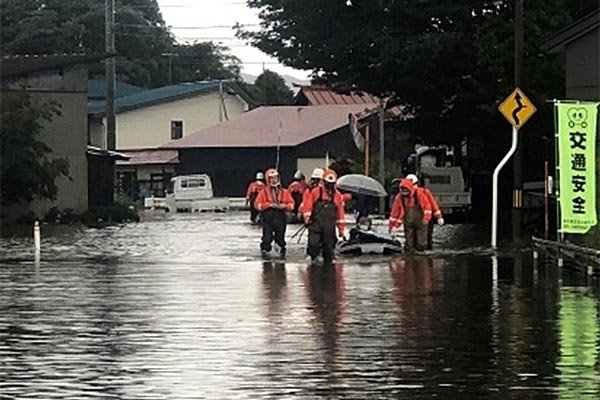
151,118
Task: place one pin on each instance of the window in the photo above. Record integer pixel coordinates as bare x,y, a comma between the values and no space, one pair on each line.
176,129
196,183
439,179
184,183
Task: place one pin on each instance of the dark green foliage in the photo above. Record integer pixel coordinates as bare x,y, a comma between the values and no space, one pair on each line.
66,216
270,89
450,60
27,168
114,213
203,61
142,39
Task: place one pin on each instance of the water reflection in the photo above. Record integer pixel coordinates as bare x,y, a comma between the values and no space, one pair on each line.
169,309
274,284
324,286
579,361
415,281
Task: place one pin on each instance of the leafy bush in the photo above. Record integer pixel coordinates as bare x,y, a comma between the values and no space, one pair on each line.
114,213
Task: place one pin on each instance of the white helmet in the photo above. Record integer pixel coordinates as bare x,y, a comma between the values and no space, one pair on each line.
317,173
413,178
260,175
298,175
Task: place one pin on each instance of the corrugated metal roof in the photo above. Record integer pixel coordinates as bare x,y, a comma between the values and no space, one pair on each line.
260,127
97,89
319,95
149,157
154,96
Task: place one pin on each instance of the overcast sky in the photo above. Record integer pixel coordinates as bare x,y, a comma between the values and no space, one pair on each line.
206,20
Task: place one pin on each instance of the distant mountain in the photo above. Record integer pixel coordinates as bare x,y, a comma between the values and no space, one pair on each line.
289,80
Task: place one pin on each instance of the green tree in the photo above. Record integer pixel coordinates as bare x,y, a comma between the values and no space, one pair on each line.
27,168
141,37
451,61
203,61
270,89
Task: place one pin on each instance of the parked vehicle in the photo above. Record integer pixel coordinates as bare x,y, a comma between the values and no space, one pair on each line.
438,173
193,193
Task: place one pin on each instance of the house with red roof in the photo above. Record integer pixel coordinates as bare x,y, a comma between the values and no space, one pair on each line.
317,95
300,137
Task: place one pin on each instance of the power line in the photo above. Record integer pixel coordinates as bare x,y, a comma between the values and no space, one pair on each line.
184,27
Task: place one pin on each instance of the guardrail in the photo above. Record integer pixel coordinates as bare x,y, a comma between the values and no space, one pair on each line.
582,256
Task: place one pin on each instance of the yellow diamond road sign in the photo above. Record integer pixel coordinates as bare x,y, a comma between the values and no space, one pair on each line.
517,108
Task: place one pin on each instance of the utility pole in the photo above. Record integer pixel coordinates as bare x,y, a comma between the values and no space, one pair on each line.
221,101
111,131
517,207
381,153
170,55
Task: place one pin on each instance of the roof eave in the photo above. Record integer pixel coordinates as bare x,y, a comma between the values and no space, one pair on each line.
155,102
556,42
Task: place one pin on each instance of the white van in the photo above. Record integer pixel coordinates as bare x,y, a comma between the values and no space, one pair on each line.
193,193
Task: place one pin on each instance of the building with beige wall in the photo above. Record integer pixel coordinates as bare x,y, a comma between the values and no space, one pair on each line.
154,117
148,119
61,79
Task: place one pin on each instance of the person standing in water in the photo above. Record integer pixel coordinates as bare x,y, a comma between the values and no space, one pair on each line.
323,211
411,208
435,208
254,188
273,201
297,189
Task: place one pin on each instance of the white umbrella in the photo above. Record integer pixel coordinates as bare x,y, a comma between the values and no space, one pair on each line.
361,184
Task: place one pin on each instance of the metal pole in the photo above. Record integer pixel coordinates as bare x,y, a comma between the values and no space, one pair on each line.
513,147
367,148
556,175
278,144
220,101
381,153
517,210
111,130
546,209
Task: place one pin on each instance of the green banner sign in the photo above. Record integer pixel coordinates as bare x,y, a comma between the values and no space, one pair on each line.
577,165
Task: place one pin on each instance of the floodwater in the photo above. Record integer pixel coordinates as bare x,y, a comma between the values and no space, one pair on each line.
181,307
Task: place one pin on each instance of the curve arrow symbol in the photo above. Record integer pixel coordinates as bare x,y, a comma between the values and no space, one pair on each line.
520,106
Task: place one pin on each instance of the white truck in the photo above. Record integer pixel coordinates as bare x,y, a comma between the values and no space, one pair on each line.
446,181
193,193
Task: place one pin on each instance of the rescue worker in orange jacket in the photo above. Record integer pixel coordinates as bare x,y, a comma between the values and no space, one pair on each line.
411,208
254,188
297,189
273,201
435,208
316,179
323,211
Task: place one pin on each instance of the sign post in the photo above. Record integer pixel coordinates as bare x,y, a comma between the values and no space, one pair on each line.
517,109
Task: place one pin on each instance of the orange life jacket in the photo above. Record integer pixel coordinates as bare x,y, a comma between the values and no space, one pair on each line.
254,188
266,199
416,198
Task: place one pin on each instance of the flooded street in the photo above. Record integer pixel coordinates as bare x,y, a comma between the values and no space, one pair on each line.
182,307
